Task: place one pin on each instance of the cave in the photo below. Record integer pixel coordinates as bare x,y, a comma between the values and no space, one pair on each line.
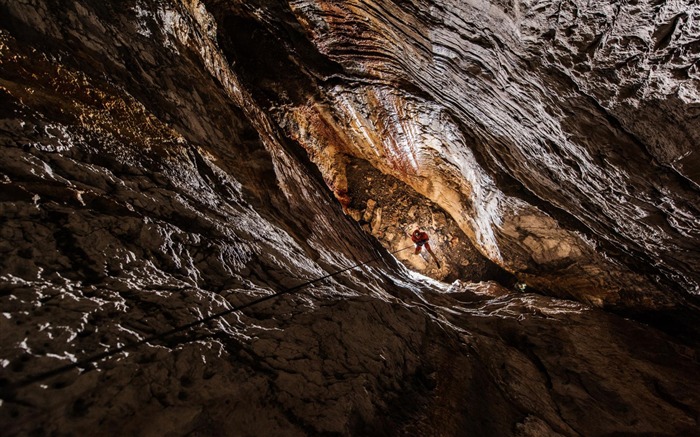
206,209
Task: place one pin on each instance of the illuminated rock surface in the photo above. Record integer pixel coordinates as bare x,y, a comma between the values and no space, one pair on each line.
165,161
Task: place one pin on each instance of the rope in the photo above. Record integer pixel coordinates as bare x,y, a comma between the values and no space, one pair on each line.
8,389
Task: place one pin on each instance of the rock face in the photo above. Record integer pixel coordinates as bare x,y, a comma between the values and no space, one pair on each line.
399,211
163,162
536,127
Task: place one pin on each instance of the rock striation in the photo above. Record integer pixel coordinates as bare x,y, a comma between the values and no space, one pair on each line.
534,126
163,162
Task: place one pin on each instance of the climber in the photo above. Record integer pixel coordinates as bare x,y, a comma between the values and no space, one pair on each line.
421,239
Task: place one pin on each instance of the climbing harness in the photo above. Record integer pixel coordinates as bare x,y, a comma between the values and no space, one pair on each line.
7,389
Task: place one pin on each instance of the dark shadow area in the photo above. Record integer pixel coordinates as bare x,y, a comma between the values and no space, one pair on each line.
681,323
276,60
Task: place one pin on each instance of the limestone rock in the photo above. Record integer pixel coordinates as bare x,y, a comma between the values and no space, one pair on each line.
503,112
165,162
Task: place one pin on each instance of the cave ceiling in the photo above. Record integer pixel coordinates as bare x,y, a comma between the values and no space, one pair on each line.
167,161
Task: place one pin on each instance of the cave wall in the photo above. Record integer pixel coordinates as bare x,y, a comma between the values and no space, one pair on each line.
158,168
558,135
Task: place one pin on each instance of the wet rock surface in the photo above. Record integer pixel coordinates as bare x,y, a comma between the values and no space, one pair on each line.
518,120
166,161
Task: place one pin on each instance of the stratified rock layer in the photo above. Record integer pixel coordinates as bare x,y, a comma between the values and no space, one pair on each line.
160,164
558,137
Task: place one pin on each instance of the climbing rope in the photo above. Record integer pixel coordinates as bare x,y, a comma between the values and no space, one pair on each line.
7,389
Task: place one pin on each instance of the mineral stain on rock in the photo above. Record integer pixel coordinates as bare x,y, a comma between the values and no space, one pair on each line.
164,163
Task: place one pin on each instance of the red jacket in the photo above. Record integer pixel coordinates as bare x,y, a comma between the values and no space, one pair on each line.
419,237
